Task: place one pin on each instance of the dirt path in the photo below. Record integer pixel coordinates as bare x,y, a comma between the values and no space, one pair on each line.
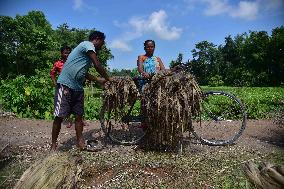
37,133
30,139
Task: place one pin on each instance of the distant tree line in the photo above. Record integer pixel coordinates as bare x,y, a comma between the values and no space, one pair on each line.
254,59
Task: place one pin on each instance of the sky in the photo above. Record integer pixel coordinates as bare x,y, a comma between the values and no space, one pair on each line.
175,25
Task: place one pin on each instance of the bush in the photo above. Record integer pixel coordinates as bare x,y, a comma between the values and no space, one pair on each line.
30,97
216,81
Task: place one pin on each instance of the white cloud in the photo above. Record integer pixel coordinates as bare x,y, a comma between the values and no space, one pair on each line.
245,9
157,24
77,4
121,45
137,26
216,7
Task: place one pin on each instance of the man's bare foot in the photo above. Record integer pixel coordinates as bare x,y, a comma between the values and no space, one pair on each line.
81,144
53,147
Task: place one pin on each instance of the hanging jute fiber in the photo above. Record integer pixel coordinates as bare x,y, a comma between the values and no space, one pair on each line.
170,99
119,93
58,170
265,176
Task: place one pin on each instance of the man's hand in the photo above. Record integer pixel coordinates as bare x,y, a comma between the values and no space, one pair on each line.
101,81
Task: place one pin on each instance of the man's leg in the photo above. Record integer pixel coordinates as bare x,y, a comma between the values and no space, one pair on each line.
79,132
78,110
61,109
55,131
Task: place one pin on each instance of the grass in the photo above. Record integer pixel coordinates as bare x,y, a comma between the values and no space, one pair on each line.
260,102
215,168
199,166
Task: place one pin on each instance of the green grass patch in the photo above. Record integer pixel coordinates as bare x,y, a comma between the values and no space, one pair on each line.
260,102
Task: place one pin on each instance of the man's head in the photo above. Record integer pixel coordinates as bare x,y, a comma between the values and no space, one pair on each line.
97,38
65,51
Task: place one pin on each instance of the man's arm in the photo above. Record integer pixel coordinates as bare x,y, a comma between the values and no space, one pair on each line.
53,72
98,65
99,80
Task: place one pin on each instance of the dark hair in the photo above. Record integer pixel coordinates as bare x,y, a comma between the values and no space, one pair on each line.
65,47
96,34
149,40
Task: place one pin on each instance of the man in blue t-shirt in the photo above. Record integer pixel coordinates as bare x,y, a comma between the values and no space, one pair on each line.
69,95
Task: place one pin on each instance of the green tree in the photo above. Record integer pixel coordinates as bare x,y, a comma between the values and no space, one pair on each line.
177,61
8,45
205,60
27,40
276,56
256,61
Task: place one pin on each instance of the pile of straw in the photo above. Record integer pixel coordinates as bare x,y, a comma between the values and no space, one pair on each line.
265,176
119,93
55,171
171,99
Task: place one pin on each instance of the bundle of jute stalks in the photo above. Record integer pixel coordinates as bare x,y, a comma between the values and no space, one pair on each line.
170,99
265,176
59,170
118,93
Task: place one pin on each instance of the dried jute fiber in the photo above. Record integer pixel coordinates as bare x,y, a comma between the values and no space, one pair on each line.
58,170
119,93
170,100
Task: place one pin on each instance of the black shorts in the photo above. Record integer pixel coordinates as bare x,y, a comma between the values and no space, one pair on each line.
68,101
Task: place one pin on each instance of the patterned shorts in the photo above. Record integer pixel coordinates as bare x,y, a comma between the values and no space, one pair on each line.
68,101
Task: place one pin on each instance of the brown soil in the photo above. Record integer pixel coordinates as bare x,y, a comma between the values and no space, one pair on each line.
30,139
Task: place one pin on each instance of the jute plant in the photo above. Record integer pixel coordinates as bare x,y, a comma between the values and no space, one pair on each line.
170,100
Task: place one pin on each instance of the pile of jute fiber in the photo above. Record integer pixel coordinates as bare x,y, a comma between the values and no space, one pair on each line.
119,93
265,176
58,170
170,99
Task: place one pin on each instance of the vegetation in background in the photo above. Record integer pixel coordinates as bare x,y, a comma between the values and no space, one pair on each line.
28,43
254,59
29,47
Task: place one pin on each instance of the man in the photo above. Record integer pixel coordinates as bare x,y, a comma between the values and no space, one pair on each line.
69,95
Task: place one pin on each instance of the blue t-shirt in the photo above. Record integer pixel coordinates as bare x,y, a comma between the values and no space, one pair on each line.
76,66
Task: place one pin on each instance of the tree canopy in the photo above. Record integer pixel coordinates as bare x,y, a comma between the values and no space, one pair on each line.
253,59
28,43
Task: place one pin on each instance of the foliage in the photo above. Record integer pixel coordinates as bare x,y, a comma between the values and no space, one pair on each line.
125,72
28,43
215,81
25,43
28,97
32,97
179,60
260,102
254,59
